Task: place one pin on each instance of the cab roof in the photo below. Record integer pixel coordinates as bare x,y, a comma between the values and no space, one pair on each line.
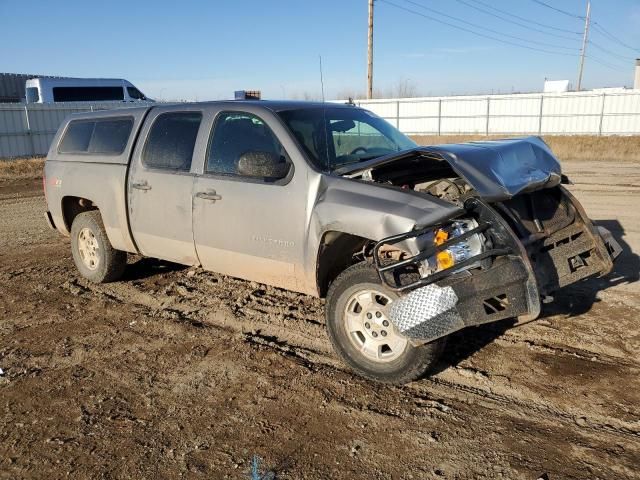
274,105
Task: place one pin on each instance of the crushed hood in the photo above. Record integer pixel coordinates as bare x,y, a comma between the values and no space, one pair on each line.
497,169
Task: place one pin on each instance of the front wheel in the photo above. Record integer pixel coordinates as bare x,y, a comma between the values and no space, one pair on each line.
364,337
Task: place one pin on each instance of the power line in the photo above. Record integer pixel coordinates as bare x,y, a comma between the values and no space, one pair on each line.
609,52
524,25
600,29
520,39
595,25
564,12
597,60
618,68
480,34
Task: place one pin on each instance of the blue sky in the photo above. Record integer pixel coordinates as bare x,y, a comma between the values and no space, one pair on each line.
199,50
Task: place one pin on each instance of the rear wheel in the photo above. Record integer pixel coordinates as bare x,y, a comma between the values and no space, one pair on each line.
363,335
92,252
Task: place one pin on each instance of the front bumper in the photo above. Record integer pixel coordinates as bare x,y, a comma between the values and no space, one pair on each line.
510,287
434,311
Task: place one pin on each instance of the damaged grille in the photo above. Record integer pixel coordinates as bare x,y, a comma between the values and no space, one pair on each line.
559,242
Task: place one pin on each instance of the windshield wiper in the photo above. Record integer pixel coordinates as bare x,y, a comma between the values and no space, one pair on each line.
361,159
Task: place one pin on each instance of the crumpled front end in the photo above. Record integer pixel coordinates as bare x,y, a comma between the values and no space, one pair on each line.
496,170
527,254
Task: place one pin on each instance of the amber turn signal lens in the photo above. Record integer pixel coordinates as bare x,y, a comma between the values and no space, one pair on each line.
445,260
441,237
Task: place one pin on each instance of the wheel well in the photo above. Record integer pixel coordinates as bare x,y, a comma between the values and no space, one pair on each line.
72,206
337,252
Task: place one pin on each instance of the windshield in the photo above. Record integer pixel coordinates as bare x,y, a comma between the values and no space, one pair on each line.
135,94
335,136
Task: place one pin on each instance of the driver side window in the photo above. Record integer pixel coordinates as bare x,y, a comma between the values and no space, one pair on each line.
360,137
243,145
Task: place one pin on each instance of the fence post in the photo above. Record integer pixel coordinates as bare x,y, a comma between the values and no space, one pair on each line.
439,116
601,114
29,134
398,114
488,112
540,115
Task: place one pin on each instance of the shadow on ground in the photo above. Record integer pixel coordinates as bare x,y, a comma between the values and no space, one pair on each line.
579,298
464,343
148,267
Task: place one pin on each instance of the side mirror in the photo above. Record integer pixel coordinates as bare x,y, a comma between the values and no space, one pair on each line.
342,126
263,165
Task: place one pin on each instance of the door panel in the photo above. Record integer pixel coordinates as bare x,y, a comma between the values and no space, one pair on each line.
160,189
161,216
249,232
248,227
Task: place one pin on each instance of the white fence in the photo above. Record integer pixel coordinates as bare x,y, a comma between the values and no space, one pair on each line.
27,130
573,113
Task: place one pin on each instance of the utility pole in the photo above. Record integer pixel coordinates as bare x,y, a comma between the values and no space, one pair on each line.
585,40
370,53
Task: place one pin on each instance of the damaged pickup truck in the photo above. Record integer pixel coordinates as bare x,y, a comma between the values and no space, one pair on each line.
407,244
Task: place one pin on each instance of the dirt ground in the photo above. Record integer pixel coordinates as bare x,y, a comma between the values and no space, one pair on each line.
175,372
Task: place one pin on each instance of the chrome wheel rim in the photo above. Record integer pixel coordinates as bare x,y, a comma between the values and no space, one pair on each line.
369,328
88,248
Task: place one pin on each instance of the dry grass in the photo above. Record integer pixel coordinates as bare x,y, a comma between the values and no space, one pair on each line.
21,168
566,147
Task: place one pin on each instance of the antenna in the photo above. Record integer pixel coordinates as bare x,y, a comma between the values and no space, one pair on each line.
324,118
321,79
370,52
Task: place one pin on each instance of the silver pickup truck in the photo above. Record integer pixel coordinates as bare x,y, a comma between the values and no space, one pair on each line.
406,243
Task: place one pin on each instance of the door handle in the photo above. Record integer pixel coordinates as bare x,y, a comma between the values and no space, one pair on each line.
210,195
141,186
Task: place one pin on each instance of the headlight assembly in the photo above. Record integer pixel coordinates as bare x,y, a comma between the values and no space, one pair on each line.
458,252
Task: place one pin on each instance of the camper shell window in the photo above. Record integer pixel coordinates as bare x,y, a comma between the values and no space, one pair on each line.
106,136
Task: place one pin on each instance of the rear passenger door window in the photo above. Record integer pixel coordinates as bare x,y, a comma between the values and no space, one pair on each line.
243,145
171,141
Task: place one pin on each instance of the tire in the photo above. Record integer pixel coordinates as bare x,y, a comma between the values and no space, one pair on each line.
399,361
95,258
